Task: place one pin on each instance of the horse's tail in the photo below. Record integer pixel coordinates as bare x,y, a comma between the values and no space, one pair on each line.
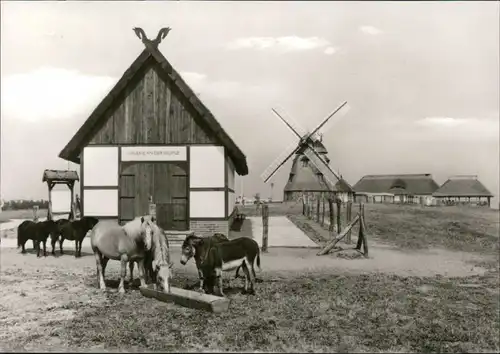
258,260
19,236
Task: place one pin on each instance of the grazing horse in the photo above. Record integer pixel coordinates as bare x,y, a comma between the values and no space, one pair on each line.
121,243
157,264
54,239
75,231
214,257
216,238
36,231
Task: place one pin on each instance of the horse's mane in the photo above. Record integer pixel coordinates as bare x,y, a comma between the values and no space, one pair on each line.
161,254
134,228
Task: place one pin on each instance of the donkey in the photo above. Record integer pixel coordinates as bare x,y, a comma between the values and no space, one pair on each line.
36,231
75,231
216,238
123,243
215,257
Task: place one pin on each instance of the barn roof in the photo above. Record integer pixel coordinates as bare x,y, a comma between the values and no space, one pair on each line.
72,150
413,184
462,187
59,175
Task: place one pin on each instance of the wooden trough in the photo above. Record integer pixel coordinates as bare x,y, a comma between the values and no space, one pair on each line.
187,298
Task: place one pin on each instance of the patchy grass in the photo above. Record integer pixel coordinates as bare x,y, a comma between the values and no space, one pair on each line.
323,313
7,215
414,227
461,229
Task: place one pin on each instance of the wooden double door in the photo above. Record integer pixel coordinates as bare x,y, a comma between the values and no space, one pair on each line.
165,182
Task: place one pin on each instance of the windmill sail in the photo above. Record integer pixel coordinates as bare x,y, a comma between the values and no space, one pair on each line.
329,176
279,161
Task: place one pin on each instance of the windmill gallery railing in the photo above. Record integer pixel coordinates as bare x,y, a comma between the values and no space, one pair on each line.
329,211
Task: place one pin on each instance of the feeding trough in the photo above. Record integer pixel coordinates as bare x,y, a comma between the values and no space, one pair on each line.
188,298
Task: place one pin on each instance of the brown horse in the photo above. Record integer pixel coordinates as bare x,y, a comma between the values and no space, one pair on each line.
157,264
124,243
36,231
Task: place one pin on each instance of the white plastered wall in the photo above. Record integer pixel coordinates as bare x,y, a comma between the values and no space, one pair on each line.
231,201
206,166
100,166
207,204
100,169
230,174
100,202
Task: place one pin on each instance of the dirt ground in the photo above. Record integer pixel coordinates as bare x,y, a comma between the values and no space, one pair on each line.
39,295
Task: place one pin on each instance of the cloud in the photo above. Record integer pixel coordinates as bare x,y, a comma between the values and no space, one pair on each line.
330,50
227,88
286,44
51,93
461,127
373,31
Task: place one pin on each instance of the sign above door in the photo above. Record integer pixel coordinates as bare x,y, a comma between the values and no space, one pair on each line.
154,153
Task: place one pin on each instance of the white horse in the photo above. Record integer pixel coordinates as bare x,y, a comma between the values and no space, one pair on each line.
127,243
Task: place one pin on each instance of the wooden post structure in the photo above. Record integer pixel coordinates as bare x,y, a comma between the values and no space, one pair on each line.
49,209
339,209
332,215
265,226
35,213
348,220
317,208
362,231
152,207
323,212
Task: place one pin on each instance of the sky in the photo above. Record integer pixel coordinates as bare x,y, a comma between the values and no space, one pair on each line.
421,81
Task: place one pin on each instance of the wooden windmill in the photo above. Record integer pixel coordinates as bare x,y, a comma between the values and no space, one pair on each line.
310,163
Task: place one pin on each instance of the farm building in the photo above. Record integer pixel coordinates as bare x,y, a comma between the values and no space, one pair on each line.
151,140
463,190
304,177
405,188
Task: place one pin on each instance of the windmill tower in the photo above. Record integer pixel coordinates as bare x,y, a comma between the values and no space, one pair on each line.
311,171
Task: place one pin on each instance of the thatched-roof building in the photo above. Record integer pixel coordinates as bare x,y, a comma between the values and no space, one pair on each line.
404,188
463,189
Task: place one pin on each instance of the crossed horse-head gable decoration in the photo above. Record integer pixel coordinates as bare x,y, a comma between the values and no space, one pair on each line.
162,33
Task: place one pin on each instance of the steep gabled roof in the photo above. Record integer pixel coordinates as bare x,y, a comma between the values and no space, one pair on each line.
414,184
462,187
75,145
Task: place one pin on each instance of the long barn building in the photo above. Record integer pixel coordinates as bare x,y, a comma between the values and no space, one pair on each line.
152,139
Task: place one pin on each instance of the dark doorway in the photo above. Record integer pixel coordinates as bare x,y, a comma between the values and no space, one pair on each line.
165,182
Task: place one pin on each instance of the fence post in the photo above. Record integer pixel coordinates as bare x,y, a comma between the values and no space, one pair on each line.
331,211
317,208
152,207
265,226
35,213
339,209
348,221
323,212
361,231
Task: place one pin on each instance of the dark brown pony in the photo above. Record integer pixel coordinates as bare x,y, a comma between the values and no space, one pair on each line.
75,231
215,257
36,231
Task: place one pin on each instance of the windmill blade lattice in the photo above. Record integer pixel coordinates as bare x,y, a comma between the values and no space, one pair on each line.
279,161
